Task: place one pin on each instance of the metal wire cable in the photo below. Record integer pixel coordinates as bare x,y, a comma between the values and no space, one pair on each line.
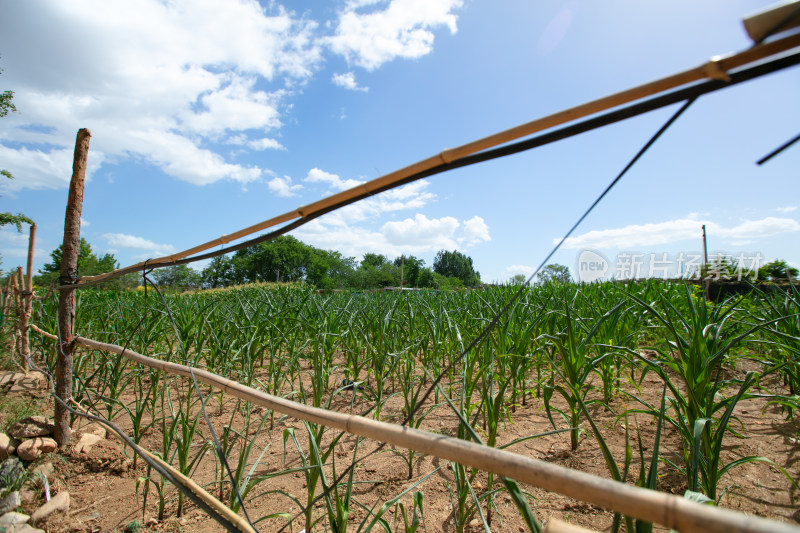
517,294
689,94
128,441
217,445
630,111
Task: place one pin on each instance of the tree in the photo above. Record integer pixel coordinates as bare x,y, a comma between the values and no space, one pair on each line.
219,273
778,270
426,278
456,265
554,273
411,268
329,269
517,279
282,259
6,105
178,277
88,264
373,260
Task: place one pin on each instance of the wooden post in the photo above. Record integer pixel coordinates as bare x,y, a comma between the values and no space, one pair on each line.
27,299
706,280
69,275
8,296
19,303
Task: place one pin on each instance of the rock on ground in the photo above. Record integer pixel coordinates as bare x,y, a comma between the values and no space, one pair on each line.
86,442
32,449
13,519
11,471
10,502
59,503
33,426
8,446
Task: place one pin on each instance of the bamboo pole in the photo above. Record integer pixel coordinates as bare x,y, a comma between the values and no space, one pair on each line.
8,296
19,302
557,526
716,68
225,511
42,332
69,274
661,508
27,300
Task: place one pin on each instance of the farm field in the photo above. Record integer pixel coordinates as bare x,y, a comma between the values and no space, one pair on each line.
572,374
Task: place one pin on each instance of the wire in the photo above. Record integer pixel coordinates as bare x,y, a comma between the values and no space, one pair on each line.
517,294
605,119
778,150
217,445
224,522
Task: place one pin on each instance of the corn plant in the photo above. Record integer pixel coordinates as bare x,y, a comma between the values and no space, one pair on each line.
699,340
572,356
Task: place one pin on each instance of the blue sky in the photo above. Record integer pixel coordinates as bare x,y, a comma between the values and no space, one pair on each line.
210,116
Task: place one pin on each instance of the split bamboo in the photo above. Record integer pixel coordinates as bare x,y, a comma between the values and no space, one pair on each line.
716,68
660,508
239,522
26,300
42,332
557,526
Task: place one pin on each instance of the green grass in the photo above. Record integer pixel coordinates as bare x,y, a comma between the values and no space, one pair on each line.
15,408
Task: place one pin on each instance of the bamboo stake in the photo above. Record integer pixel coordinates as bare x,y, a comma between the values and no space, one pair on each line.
240,523
69,272
557,526
27,299
661,508
715,68
42,332
20,305
9,295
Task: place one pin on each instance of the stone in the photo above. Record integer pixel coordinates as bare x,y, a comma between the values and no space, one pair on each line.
8,445
32,449
33,426
86,442
59,503
11,472
474,523
10,502
31,382
24,528
13,519
95,429
44,469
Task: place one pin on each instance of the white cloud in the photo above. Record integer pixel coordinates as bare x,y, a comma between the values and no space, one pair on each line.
197,73
679,230
261,144
282,186
475,231
411,196
421,234
39,169
15,246
401,29
513,270
121,240
316,175
348,81
416,235
84,223
787,209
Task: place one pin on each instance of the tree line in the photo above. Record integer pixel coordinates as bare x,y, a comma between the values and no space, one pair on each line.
285,260
288,260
